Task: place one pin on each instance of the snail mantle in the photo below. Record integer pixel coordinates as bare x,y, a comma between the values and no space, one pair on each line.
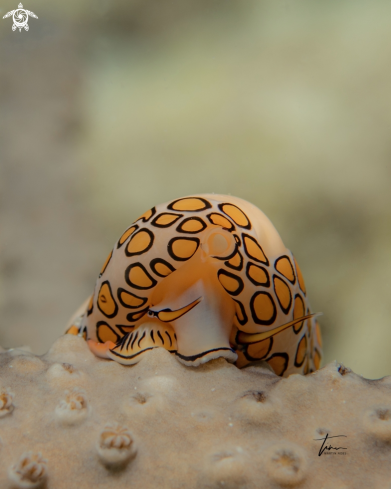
204,277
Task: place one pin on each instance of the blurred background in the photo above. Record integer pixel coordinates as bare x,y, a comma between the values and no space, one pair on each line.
108,107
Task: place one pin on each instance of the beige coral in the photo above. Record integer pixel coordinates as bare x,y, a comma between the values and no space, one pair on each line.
162,424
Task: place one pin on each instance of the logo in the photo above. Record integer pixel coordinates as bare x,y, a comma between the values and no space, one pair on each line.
324,449
20,17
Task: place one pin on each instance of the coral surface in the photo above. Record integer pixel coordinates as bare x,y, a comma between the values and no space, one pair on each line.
70,419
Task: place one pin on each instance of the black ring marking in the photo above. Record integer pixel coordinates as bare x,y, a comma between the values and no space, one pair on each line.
177,216
112,297
285,310
119,292
153,212
180,226
142,230
286,358
264,284
135,226
253,313
206,203
135,316
163,262
243,311
290,263
101,323
244,235
240,266
253,359
140,265
297,364
302,323
248,226
235,277
210,217
172,241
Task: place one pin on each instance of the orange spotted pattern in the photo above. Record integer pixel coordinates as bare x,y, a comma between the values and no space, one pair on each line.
266,287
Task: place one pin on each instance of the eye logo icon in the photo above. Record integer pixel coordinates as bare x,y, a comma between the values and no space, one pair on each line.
20,17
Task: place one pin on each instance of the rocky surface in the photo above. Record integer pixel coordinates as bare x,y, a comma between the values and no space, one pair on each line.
70,419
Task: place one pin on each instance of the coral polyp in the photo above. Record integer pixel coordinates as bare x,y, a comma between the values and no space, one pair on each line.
74,408
29,472
115,445
6,402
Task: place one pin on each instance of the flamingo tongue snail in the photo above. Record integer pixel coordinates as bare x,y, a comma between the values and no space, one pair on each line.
204,276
